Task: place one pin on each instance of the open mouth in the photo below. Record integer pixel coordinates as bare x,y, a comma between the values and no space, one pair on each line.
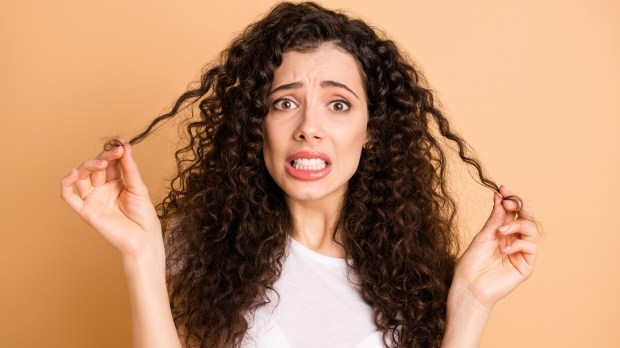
309,164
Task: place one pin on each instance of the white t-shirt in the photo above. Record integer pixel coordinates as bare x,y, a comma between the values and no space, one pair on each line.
318,306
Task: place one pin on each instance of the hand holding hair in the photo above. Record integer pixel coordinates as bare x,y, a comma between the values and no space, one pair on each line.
111,197
499,258
501,255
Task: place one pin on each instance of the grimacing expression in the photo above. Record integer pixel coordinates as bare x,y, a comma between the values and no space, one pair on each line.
316,125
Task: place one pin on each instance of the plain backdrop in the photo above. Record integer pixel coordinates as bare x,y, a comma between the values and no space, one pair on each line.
533,86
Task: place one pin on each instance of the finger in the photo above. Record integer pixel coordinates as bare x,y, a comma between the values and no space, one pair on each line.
67,193
98,177
112,154
513,206
505,240
131,173
527,229
83,183
528,250
510,205
113,170
496,218
505,191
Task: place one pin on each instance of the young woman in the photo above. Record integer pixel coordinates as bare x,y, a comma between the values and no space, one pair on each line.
310,207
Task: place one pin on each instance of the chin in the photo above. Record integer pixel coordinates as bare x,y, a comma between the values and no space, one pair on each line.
305,196
313,195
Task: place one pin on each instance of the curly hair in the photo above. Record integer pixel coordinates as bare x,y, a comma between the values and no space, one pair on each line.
226,221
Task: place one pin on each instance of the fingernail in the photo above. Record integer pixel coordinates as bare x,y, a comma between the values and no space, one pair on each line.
507,249
100,162
116,149
504,228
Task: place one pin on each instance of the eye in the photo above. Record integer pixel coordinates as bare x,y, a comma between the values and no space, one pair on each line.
339,105
284,104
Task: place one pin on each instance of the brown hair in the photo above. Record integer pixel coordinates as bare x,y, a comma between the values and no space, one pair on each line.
226,221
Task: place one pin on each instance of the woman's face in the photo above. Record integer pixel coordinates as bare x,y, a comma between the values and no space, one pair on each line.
316,125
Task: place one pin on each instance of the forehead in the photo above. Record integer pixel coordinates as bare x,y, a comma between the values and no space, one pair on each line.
326,62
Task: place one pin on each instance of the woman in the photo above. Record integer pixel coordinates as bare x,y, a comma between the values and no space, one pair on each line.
310,206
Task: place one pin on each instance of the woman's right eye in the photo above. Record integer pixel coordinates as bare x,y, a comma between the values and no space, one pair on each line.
284,104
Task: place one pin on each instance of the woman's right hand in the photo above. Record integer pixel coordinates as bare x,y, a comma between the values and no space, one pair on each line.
110,196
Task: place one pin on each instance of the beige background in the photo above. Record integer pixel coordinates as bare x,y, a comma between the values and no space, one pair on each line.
534,87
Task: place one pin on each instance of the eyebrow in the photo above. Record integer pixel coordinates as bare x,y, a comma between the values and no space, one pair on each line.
327,83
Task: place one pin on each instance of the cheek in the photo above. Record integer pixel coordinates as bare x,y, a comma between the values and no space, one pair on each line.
267,153
358,135
351,148
276,136
270,149
360,140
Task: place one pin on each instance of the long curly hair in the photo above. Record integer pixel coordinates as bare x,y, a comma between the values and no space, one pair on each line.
226,222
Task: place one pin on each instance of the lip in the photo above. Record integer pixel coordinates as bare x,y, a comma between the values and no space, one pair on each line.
308,175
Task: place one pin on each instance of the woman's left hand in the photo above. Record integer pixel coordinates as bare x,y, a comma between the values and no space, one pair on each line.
500,257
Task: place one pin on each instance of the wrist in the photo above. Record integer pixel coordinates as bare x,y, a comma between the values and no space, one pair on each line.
462,298
149,256
466,318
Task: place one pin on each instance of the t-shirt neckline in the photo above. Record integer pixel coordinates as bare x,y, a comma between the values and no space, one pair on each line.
315,256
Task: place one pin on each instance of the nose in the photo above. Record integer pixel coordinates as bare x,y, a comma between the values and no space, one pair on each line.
310,126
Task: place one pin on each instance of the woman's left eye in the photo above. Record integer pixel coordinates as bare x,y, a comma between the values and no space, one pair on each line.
339,105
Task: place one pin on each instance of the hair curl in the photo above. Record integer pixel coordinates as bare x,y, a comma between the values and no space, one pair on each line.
226,222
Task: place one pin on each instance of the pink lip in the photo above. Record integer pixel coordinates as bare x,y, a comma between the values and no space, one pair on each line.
308,175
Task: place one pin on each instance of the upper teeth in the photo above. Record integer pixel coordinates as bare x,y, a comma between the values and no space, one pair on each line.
309,164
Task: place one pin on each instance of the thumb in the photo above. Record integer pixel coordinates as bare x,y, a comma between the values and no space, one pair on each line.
498,214
131,173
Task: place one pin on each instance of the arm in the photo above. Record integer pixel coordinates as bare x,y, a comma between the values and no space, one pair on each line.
465,320
152,323
499,258
110,196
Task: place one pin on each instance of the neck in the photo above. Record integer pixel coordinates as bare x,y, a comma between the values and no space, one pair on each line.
314,223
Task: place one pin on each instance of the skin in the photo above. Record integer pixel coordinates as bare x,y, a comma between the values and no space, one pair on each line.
308,113
109,194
